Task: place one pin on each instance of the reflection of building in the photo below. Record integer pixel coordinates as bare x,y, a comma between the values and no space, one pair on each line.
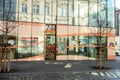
69,17
117,29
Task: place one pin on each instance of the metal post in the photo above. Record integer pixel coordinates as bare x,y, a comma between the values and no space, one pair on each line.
44,52
31,24
78,30
16,55
67,29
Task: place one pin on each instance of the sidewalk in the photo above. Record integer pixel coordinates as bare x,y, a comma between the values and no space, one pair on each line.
59,66
61,70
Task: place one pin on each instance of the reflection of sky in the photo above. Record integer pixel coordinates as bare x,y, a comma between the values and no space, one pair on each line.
118,4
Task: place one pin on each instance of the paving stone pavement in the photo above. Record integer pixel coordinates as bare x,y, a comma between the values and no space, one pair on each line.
109,75
61,70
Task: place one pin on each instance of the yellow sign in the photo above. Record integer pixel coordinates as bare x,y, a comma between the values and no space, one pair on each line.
50,31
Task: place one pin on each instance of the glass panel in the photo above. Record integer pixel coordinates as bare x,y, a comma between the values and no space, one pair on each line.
24,42
30,37
73,45
83,50
83,12
62,42
111,12
47,10
60,12
50,43
93,10
25,50
74,41
62,30
64,12
36,9
24,8
102,13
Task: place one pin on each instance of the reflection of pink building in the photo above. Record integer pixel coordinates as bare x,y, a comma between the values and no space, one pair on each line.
63,32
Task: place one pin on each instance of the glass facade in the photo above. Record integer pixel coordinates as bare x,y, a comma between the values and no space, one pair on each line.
62,29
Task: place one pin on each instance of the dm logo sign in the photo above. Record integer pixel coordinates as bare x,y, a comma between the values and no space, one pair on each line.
11,42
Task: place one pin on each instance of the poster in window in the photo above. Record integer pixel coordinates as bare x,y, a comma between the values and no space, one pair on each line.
62,47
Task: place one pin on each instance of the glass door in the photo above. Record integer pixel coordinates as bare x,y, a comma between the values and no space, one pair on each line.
50,42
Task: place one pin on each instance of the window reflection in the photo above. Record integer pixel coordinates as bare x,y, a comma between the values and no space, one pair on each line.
111,12
93,13
24,8
83,12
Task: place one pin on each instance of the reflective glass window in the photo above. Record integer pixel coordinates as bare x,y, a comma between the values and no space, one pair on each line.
62,11
111,12
36,9
47,10
83,12
93,10
24,8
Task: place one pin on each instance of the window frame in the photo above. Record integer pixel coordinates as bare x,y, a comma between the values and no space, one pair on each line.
36,9
46,10
24,8
62,11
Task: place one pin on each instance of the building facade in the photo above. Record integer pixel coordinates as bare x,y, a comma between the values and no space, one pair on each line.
60,29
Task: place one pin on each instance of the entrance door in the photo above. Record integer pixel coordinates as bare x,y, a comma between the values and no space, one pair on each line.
50,42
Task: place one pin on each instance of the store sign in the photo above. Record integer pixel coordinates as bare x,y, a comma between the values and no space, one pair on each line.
11,42
73,42
50,29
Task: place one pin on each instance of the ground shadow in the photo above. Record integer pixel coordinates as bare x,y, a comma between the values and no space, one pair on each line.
97,68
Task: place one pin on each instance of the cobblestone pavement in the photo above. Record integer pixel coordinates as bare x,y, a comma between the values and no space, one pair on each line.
107,75
61,70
